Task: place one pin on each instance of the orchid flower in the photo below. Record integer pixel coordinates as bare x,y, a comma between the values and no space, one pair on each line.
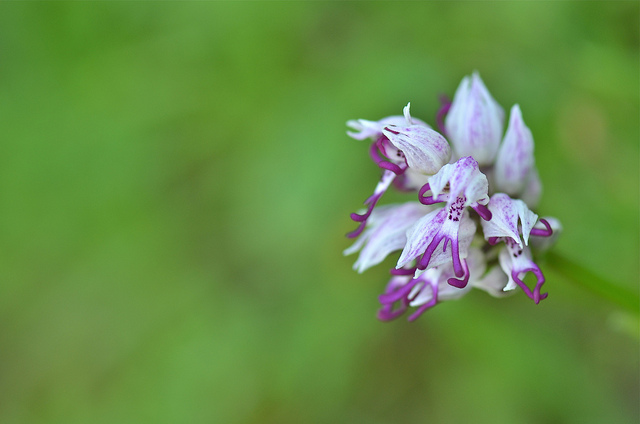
510,218
482,177
461,185
428,289
404,144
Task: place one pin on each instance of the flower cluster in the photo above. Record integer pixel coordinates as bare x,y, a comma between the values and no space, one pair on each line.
478,179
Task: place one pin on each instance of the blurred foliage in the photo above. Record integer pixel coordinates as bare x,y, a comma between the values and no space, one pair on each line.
175,183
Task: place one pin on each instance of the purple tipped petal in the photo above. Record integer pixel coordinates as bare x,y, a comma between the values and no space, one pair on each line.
515,158
493,240
423,263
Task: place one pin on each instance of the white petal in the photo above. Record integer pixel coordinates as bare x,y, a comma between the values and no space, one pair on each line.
386,234
413,180
494,282
474,122
507,266
469,180
429,278
407,114
464,178
476,262
425,149
533,190
438,182
463,232
515,158
527,218
505,215
373,129
420,234
435,224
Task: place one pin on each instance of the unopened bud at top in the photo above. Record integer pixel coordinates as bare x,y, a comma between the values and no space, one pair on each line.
515,160
475,121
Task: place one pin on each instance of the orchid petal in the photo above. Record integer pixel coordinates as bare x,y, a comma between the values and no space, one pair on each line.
434,227
533,190
373,129
425,149
494,282
505,215
515,158
474,122
386,233
516,263
464,179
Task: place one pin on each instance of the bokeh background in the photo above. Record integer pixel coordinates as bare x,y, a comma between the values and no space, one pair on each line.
176,183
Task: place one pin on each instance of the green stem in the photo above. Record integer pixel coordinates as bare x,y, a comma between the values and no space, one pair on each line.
583,277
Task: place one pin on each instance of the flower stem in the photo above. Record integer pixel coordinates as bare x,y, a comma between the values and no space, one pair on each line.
583,277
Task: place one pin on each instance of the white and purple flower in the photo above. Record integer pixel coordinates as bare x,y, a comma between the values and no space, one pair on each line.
443,255
399,144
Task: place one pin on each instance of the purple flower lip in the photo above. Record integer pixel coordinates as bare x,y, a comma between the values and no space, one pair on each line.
391,170
548,232
535,294
405,295
483,211
379,145
428,200
403,271
362,218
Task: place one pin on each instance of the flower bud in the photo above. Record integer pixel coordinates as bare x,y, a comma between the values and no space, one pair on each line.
515,157
474,122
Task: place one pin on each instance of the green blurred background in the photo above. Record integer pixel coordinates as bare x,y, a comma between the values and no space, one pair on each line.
176,183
